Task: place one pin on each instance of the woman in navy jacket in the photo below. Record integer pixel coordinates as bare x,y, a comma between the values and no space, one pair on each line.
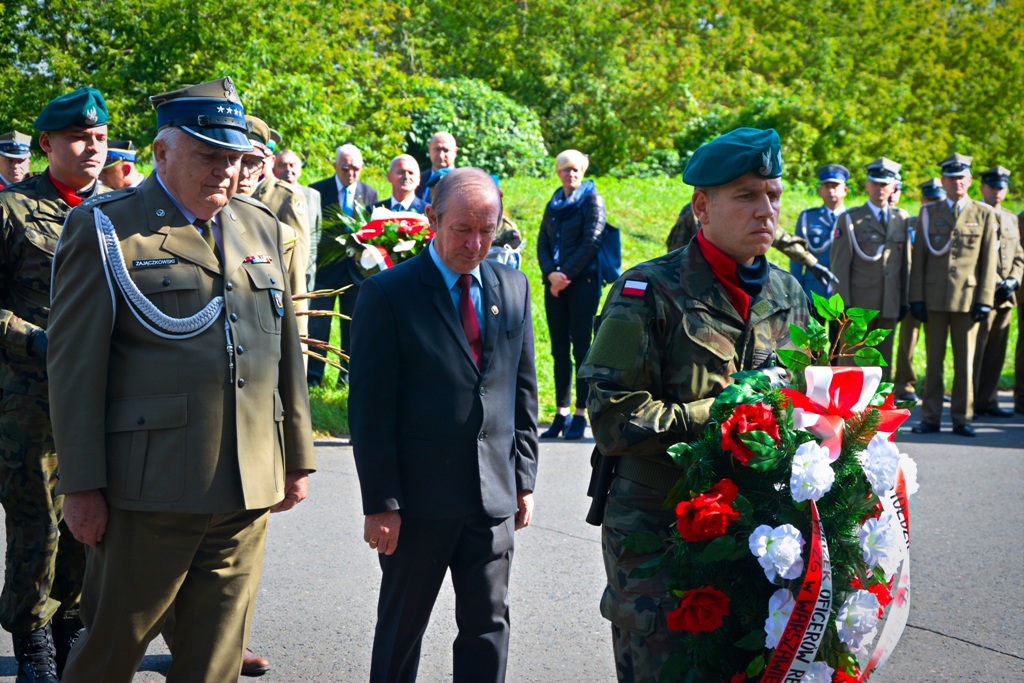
570,236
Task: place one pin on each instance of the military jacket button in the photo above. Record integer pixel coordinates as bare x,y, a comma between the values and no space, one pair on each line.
229,286
240,349
141,420
166,282
273,281
233,317
241,382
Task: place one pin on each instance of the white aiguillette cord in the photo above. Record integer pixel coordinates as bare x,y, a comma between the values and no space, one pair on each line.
856,247
144,310
927,238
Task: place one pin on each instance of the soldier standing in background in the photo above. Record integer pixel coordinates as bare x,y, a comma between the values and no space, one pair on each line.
45,564
119,170
952,286
905,378
817,225
288,169
15,150
871,257
994,330
654,372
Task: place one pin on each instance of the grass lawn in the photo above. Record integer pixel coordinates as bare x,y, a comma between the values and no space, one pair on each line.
644,210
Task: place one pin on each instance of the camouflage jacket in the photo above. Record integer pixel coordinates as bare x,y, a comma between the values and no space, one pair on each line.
659,358
31,218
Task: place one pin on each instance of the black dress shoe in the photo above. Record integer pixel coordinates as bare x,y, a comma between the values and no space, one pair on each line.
995,412
925,428
909,396
964,430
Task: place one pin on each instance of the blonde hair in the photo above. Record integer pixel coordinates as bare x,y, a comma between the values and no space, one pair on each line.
572,157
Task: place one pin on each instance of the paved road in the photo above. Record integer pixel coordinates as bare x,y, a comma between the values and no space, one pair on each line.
317,600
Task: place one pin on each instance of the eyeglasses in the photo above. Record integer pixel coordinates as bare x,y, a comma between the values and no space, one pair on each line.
350,167
251,164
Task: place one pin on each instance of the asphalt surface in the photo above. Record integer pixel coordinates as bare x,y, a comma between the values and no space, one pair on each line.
315,617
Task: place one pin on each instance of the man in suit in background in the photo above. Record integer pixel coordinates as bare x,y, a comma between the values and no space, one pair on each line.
443,150
172,452
342,194
442,408
404,175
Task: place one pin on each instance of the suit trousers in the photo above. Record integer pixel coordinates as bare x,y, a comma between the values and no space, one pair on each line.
989,356
884,347
962,333
570,317
332,276
206,566
478,550
905,378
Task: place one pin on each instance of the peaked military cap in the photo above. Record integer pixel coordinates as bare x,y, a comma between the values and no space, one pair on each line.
84,107
15,145
997,176
209,112
833,173
275,140
956,165
883,170
259,135
736,153
118,151
932,189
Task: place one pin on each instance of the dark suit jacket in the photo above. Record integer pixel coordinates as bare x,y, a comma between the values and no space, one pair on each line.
417,206
336,274
434,436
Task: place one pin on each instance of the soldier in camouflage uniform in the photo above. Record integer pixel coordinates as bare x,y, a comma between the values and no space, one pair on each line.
792,246
671,333
45,564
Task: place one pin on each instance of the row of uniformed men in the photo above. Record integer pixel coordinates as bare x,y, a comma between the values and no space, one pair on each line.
955,268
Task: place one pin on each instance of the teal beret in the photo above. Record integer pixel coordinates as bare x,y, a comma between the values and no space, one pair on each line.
738,152
84,107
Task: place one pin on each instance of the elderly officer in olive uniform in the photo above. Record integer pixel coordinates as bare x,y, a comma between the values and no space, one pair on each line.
288,169
952,286
43,581
15,150
994,331
180,415
119,170
671,332
817,225
905,379
793,246
871,257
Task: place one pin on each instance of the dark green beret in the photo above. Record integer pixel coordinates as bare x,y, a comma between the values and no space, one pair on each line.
84,107
738,152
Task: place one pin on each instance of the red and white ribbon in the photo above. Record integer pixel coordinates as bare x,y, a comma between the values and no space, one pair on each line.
833,396
806,626
898,503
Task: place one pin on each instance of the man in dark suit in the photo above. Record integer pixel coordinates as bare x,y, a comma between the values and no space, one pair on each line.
442,150
340,194
404,175
442,409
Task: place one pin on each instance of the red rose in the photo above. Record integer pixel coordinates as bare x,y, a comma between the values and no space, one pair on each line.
747,418
708,515
842,676
738,678
701,609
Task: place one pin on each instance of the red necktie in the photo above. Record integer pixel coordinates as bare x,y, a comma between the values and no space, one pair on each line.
470,324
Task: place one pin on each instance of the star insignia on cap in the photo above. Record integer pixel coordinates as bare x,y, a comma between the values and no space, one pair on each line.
220,110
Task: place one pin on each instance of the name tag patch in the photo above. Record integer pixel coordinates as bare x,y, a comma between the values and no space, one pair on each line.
155,262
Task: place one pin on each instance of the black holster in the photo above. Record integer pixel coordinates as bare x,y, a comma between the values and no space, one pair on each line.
602,472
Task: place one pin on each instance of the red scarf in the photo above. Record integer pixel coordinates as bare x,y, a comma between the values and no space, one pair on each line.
69,195
724,268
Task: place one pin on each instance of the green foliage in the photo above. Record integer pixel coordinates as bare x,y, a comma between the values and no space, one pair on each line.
493,132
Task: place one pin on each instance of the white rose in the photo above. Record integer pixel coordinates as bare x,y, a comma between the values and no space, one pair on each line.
780,607
812,475
778,550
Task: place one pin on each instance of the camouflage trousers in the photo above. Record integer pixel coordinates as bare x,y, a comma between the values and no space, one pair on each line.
637,608
45,564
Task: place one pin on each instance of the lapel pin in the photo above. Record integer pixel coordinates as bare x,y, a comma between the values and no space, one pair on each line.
161,213
494,310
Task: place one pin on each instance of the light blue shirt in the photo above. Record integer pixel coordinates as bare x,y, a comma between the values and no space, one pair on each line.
451,280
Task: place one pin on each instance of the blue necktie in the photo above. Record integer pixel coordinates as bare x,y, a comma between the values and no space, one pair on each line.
348,208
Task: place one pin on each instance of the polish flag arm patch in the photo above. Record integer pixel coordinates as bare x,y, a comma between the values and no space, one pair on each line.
634,288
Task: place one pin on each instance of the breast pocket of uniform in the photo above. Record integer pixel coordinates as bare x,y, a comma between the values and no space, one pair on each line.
710,351
268,289
146,454
969,238
174,289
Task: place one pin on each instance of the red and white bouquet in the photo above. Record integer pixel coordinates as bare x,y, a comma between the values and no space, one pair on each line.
387,238
790,553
